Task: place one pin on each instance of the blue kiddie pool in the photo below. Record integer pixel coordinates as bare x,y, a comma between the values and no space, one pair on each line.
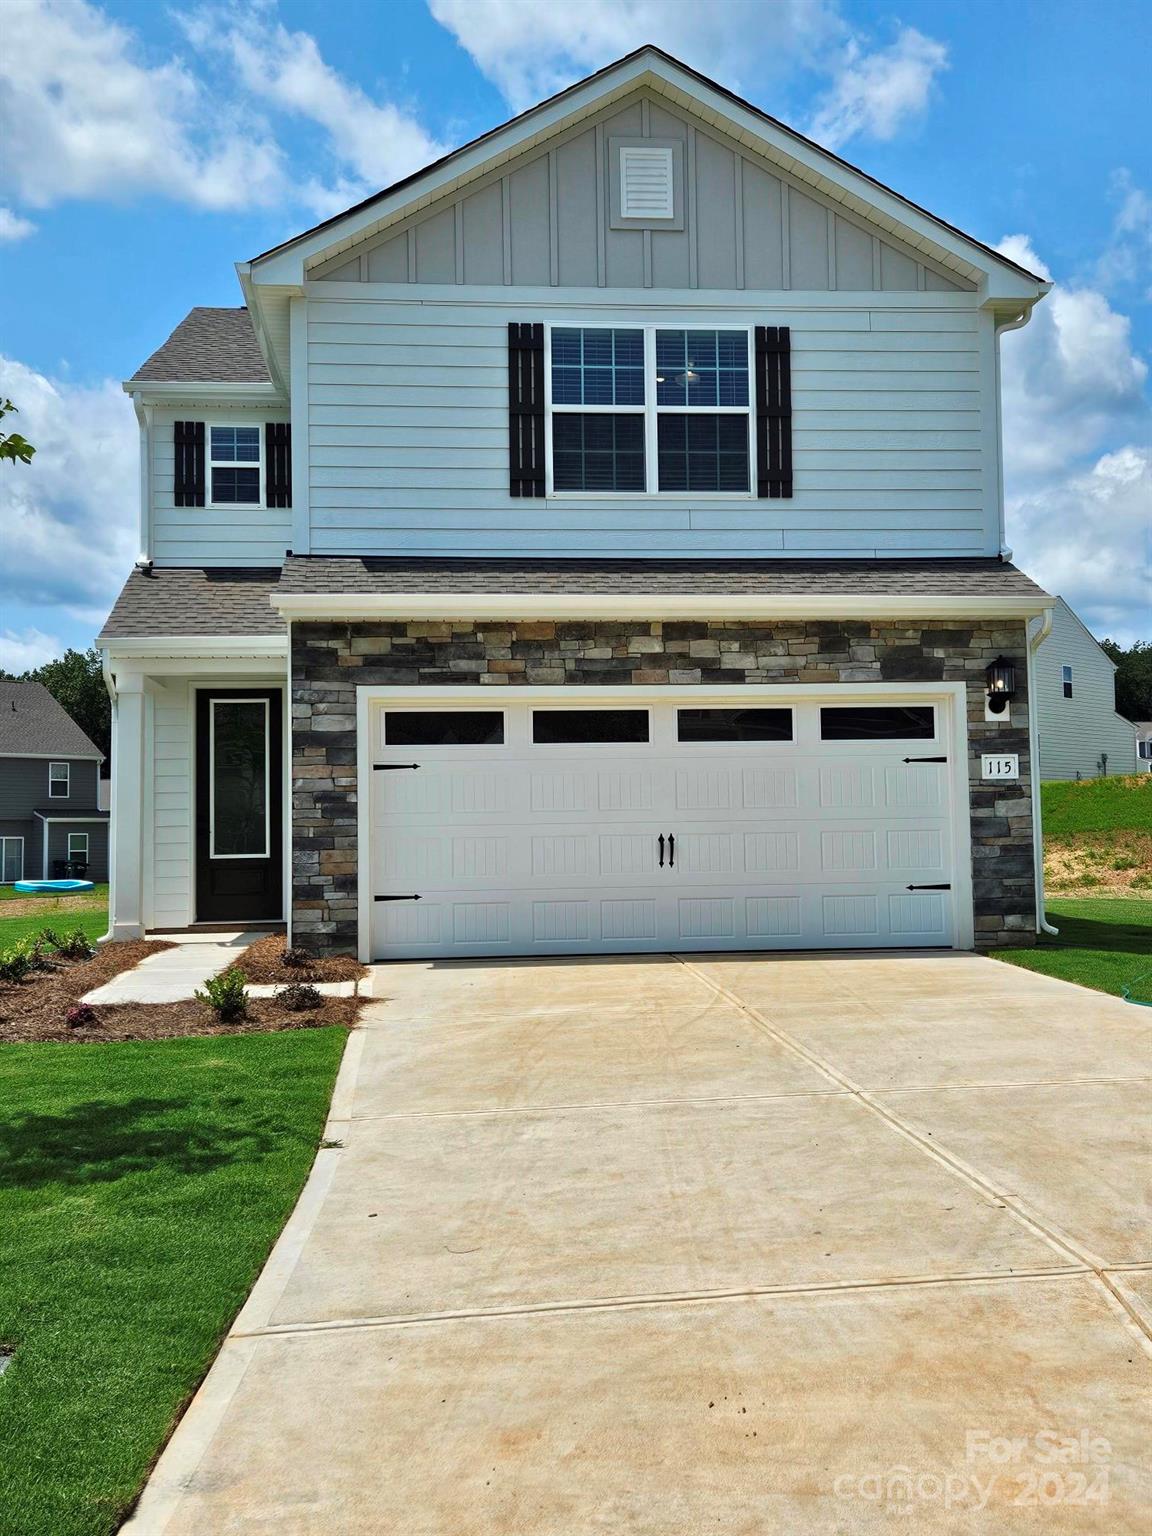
53,887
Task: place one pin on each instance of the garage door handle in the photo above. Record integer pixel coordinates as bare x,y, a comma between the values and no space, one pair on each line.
671,849
384,767
661,842
927,887
925,759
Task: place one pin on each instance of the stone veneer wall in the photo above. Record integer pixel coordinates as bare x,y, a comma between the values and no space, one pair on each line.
329,662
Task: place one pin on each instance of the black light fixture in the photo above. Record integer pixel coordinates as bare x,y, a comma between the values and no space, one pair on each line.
1001,680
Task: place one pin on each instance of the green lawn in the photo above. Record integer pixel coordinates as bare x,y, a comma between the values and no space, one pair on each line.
89,912
1103,944
1119,804
141,1188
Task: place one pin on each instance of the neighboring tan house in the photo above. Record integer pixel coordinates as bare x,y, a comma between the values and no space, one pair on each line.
1080,734
50,823
592,543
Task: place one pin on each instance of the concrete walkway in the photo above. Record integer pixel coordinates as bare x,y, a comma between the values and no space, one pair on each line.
739,1244
176,974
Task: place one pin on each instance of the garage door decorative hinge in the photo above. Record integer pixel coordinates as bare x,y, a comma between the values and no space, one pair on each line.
383,767
925,759
907,888
395,898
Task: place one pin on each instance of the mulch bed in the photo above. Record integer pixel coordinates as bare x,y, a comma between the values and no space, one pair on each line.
34,1009
262,964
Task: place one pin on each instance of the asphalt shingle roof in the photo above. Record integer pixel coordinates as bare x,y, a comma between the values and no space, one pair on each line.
832,578
216,346
32,722
201,600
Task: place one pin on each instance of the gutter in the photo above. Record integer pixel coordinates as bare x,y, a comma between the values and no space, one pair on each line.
1035,640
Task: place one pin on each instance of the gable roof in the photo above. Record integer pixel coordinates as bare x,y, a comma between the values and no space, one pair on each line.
518,132
33,724
209,346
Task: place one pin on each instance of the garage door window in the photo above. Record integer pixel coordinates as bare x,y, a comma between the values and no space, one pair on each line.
734,725
444,727
554,727
874,722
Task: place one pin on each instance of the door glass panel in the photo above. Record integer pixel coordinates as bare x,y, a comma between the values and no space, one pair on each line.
239,778
875,722
552,727
734,725
12,859
443,727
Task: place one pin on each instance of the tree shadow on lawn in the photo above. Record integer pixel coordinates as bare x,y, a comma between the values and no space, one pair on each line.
100,1141
1097,934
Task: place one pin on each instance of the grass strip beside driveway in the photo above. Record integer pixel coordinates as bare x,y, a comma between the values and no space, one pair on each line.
1102,943
141,1189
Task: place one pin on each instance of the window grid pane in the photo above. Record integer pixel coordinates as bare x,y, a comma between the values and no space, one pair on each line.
236,486
878,722
703,453
236,445
598,453
597,366
443,728
556,727
702,368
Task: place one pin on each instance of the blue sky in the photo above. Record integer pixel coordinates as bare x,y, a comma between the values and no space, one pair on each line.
149,148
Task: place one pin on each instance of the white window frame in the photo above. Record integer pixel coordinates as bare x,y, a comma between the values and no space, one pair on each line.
4,841
75,853
651,413
614,706
211,463
54,776
1066,681
267,853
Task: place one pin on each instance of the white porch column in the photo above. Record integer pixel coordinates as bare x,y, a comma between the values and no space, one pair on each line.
126,895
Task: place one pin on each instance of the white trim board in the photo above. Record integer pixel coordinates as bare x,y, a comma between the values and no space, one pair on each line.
952,696
557,605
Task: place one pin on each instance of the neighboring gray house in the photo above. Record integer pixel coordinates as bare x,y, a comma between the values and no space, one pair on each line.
49,772
1144,746
592,543
1080,734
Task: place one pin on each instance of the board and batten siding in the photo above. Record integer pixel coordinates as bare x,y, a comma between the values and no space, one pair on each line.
894,430
171,809
212,535
1072,734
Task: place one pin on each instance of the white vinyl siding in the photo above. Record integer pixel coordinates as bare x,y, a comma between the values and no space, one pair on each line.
1075,732
223,535
893,433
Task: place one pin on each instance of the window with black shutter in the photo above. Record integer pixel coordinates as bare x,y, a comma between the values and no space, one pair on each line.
278,463
188,483
773,411
525,409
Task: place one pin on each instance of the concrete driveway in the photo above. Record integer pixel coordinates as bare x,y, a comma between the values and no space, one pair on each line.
662,1246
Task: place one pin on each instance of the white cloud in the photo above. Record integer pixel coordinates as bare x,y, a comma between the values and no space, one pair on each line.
83,114
1127,258
877,92
69,517
13,227
530,50
28,649
1078,454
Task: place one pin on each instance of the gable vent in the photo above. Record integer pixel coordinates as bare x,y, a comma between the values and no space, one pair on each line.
646,183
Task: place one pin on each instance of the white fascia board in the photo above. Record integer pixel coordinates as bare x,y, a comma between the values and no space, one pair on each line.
263,340
92,816
207,390
194,646
320,607
801,158
690,303
58,757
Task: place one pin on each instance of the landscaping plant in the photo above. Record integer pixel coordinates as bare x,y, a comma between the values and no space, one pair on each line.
227,995
300,997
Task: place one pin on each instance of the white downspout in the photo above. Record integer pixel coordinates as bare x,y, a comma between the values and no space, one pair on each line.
110,684
1034,643
1001,327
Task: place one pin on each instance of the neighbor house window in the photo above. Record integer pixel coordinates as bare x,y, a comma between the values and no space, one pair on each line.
58,778
11,859
1066,681
647,410
235,466
78,845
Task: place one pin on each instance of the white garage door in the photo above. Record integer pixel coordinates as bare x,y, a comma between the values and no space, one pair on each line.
594,827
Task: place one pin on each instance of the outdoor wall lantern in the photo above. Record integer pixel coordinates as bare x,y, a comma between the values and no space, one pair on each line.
1001,678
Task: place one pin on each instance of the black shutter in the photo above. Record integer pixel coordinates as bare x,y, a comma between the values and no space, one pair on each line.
525,410
278,463
188,440
773,410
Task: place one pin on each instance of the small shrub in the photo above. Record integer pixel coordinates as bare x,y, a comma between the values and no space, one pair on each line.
296,957
1142,882
1126,862
82,1015
49,938
15,962
37,958
226,995
70,946
299,997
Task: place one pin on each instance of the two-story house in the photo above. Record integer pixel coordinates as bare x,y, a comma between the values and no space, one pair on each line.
50,823
592,543
1079,734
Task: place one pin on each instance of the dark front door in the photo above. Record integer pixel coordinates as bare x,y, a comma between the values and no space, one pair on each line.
239,805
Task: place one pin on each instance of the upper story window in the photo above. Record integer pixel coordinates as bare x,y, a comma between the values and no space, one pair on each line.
649,410
234,466
59,775
1066,681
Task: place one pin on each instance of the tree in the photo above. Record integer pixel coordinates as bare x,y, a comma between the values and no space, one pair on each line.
12,445
76,681
1133,678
